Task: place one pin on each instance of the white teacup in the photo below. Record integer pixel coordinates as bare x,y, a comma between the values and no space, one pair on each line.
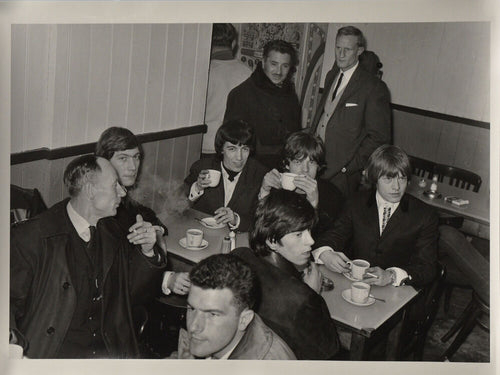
360,292
358,268
15,351
194,237
214,176
287,180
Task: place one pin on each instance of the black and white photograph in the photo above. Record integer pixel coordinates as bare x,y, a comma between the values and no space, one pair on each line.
313,189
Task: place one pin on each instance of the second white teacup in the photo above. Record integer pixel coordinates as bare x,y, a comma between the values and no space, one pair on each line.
287,180
358,268
214,176
360,292
194,237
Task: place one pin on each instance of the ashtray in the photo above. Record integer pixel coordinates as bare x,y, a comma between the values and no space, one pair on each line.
432,194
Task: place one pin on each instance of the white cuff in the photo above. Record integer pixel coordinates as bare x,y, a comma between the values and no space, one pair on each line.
262,194
400,275
194,194
234,227
320,250
164,285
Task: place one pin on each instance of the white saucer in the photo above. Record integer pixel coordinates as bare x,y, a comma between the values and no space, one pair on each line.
203,245
209,222
349,276
346,294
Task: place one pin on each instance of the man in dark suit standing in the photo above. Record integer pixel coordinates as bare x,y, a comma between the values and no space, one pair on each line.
353,117
394,231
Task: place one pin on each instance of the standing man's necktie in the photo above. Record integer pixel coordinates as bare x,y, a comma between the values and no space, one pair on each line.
337,86
386,216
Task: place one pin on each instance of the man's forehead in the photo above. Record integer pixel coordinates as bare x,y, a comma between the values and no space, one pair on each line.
274,55
347,39
130,152
210,299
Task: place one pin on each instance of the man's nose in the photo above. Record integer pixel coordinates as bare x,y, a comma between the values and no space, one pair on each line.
305,167
239,154
195,323
308,238
342,52
131,165
395,183
121,191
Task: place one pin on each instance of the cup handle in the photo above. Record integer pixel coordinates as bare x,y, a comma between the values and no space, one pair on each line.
349,264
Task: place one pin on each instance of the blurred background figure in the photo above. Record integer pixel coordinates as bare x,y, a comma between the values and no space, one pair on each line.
225,74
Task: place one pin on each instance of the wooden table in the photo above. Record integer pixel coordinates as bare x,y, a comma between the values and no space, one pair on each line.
361,321
364,321
477,210
177,226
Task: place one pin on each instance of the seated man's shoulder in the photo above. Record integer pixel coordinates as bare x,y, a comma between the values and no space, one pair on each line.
256,167
419,207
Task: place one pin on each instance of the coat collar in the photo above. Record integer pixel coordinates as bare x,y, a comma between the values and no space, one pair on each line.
279,262
260,79
403,204
255,343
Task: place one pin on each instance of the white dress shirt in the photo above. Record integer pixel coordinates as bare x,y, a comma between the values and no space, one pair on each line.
79,223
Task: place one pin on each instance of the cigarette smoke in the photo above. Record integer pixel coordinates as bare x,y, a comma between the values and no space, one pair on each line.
166,198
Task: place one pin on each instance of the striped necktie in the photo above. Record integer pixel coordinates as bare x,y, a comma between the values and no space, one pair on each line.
386,215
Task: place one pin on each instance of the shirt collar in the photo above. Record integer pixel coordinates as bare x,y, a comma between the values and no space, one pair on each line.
349,72
81,225
381,202
226,175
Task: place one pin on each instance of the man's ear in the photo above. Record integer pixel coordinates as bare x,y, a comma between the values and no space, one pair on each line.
89,190
360,50
246,316
273,245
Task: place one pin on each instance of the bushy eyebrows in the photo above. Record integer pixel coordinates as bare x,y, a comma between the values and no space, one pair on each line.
206,310
125,153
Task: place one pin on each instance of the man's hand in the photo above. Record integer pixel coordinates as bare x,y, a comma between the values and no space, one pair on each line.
310,187
335,261
312,277
225,215
144,234
203,180
383,276
179,283
272,179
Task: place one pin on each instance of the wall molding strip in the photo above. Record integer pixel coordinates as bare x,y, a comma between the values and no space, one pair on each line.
64,152
440,116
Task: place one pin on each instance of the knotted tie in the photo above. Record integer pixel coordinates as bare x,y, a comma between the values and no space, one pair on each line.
337,86
386,216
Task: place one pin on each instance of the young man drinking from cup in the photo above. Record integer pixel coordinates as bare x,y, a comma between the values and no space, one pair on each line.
232,200
394,231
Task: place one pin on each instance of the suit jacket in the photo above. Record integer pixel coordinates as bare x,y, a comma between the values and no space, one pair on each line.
409,240
291,308
355,131
42,296
244,199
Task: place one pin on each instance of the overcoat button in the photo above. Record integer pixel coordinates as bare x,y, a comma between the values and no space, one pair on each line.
66,285
51,330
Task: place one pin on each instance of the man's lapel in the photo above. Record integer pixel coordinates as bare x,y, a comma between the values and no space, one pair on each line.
351,88
397,219
373,225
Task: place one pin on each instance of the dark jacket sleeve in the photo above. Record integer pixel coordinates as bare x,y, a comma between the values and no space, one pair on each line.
314,321
422,266
339,235
235,106
377,117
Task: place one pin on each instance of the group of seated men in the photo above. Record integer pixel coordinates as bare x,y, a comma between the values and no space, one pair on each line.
80,269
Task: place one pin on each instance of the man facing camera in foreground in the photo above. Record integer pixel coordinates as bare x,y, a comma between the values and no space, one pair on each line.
221,323
73,273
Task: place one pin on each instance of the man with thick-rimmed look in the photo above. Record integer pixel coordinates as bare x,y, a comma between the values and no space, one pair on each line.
73,272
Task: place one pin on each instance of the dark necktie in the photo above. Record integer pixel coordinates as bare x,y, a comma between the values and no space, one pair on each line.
337,86
231,174
386,215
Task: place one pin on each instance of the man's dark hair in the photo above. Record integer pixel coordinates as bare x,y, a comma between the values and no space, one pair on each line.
223,34
278,214
351,30
282,46
237,132
300,145
80,171
116,139
387,160
221,271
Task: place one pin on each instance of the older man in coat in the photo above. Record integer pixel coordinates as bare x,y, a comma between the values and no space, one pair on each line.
74,272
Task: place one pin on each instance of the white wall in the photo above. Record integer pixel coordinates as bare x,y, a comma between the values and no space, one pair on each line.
70,82
441,67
